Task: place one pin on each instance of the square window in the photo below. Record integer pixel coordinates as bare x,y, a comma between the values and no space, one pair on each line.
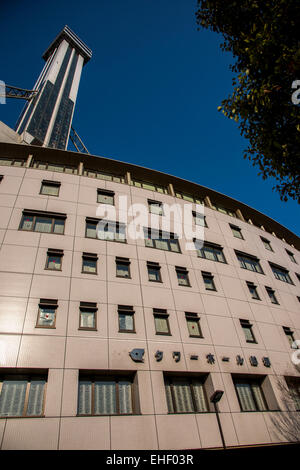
105,197
155,207
123,267
271,294
161,322
193,325
247,329
89,263
290,336
54,259
154,273
126,319
44,222
22,395
208,279
253,290
280,273
249,262
182,276
186,394
291,256
236,231
88,316
47,313
106,395
267,244
50,188
199,219
250,394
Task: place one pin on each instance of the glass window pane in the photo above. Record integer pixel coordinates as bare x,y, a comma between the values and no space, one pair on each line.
46,316
59,226
125,322
257,392
154,274
12,397
105,198
182,396
27,222
43,224
193,327
50,190
209,253
169,398
54,262
161,244
91,230
105,398
199,396
125,398
85,397
245,396
35,399
174,245
248,333
89,265
87,319
122,270
182,278
161,324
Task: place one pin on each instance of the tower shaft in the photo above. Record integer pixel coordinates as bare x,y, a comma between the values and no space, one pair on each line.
46,119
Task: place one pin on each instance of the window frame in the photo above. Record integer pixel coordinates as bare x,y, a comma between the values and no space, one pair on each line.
50,304
245,257
124,262
271,291
189,378
249,381
161,314
195,318
116,377
235,229
290,336
147,231
90,307
197,216
89,256
160,205
20,374
267,244
245,324
291,256
105,192
214,249
118,226
208,275
129,311
55,253
251,285
281,271
53,216
155,267
49,183
181,270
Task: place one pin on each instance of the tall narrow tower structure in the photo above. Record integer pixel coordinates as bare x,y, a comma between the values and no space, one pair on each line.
46,119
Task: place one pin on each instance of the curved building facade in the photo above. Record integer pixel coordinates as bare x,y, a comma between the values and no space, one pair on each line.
110,340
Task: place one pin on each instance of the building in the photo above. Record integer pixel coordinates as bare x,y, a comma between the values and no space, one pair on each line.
120,343
46,119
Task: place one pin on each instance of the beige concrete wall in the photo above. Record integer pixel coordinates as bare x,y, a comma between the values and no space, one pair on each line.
66,349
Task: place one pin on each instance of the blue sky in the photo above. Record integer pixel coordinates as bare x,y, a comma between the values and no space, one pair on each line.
150,93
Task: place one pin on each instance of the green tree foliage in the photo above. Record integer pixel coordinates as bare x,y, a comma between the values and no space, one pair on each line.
264,38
